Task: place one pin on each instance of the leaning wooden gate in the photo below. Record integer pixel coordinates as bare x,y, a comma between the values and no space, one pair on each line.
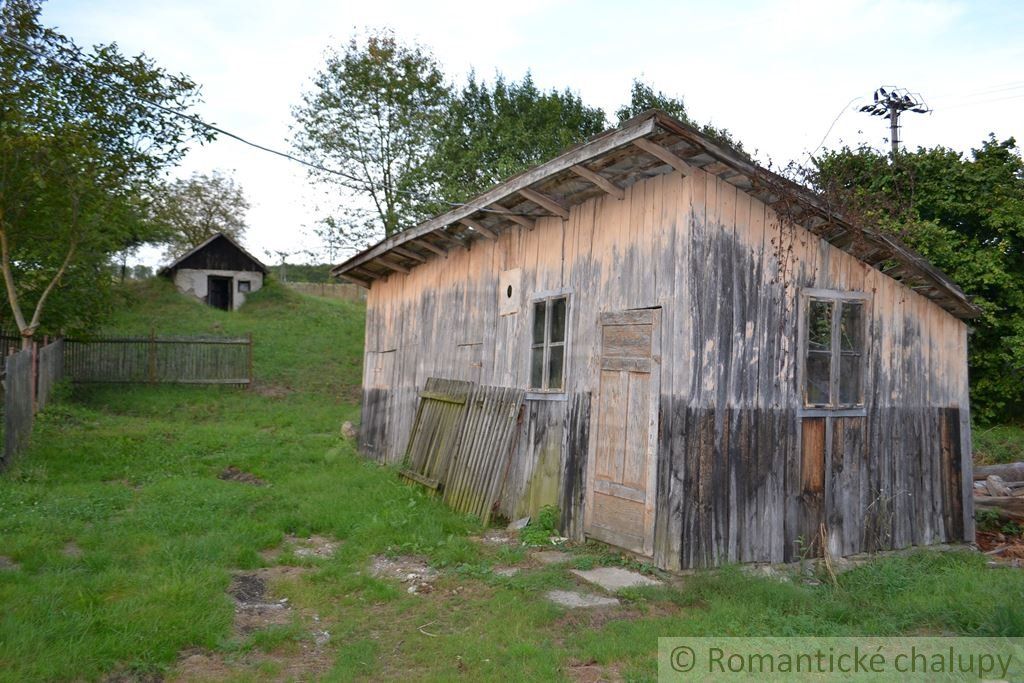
461,442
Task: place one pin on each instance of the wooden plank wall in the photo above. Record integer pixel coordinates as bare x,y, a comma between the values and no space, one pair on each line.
727,274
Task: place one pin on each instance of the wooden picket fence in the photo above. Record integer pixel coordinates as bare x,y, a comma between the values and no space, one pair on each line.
30,374
461,442
158,360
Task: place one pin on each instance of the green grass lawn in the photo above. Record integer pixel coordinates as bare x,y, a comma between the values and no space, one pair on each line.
121,542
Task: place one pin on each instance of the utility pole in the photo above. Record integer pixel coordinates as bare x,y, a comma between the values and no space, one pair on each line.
889,103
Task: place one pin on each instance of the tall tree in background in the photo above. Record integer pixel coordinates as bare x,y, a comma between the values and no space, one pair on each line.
493,132
643,96
966,215
79,151
370,117
194,209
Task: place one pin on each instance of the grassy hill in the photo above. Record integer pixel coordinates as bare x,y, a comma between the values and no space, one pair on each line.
139,512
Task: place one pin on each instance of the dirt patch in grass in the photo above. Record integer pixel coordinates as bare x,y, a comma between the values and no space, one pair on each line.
129,676
313,546
254,611
232,473
198,665
72,550
592,672
592,619
257,609
306,662
407,569
498,537
8,565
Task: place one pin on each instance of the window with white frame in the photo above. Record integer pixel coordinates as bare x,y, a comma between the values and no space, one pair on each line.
547,350
834,343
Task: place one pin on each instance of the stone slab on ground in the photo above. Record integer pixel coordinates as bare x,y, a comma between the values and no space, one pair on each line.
506,571
574,600
615,578
551,556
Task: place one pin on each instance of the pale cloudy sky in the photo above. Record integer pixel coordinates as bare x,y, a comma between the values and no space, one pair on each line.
775,73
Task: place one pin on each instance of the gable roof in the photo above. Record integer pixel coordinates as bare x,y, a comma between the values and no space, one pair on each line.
650,144
178,262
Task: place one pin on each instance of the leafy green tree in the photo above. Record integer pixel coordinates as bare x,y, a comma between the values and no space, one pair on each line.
966,215
79,149
370,117
142,272
643,96
493,132
192,210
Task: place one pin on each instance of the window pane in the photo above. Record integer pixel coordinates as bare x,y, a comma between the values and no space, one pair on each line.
849,379
851,327
536,367
819,368
539,309
556,359
558,320
819,326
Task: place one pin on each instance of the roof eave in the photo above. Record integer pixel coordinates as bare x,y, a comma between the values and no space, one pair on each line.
390,254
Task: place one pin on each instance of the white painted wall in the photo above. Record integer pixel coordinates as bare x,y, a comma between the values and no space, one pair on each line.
193,282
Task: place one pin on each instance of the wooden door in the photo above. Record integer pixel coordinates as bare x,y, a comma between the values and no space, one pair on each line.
621,472
218,292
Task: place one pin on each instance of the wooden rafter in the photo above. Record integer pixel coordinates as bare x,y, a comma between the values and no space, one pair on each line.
408,253
701,152
545,202
430,246
591,150
354,280
480,228
602,182
392,264
527,223
449,238
665,154
508,214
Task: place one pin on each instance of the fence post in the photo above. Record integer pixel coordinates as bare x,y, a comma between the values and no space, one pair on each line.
152,355
250,361
33,375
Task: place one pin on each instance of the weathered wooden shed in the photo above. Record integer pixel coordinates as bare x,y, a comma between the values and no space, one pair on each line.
719,368
218,271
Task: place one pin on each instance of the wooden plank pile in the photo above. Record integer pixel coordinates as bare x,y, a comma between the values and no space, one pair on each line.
1000,488
461,443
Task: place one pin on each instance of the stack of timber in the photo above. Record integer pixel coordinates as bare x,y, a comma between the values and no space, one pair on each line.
1000,488
460,444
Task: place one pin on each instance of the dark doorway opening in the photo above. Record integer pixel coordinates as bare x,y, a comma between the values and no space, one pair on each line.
218,292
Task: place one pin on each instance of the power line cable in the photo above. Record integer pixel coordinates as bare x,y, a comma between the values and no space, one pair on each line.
842,111
217,129
179,114
979,102
997,87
